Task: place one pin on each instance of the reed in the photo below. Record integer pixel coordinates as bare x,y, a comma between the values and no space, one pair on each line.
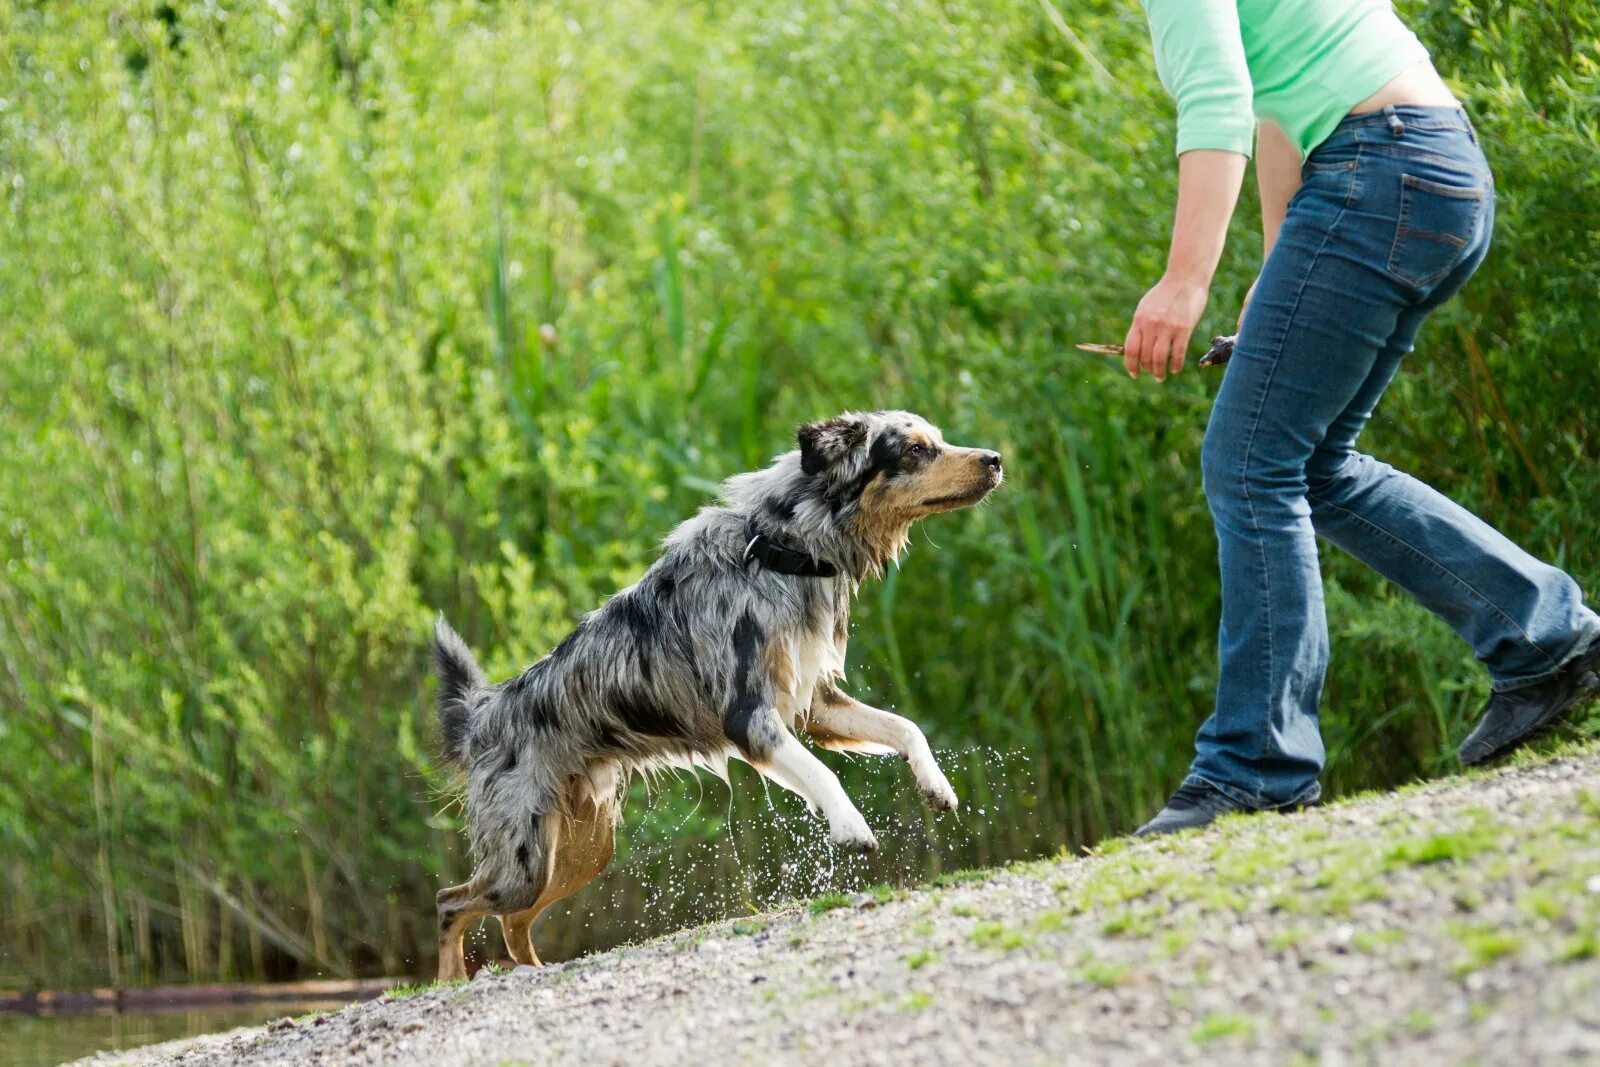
321,326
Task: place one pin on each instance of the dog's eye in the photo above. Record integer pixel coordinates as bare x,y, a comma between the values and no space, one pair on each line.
917,450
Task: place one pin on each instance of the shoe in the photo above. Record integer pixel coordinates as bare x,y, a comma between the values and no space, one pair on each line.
1517,716
1198,804
1195,804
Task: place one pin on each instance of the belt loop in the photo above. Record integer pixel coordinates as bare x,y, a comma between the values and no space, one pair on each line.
1396,127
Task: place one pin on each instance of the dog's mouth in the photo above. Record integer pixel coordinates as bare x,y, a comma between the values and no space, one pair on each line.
988,484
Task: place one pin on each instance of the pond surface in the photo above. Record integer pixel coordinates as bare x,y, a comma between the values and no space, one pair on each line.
42,1040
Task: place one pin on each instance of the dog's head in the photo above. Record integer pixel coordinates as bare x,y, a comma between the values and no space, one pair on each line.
894,467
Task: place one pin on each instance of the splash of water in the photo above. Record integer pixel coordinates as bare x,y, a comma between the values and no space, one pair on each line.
695,852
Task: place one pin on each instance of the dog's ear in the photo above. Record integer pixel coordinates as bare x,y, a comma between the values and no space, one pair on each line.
822,444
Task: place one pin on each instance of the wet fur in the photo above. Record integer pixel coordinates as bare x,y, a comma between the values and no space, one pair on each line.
707,656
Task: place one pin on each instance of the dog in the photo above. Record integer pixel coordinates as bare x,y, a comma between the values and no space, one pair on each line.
732,641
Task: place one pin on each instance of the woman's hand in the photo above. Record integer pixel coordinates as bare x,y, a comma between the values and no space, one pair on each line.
1158,340
1208,186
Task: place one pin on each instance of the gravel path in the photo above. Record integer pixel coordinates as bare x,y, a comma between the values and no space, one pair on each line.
1451,923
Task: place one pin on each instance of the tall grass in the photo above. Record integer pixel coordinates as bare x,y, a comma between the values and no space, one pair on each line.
321,318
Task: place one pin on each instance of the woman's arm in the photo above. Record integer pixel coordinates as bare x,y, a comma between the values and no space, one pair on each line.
1208,189
1200,57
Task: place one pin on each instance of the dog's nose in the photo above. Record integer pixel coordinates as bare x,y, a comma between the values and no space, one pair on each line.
990,460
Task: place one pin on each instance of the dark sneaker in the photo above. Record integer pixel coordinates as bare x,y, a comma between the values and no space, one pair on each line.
1197,804
1519,715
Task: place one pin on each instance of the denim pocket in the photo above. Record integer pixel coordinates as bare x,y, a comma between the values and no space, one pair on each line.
1437,222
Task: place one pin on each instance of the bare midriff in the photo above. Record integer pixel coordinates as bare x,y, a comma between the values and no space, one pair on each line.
1416,86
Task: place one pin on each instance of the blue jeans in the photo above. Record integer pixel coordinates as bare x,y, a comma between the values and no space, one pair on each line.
1394,215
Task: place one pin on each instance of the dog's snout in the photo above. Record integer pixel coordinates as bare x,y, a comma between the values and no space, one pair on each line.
990,460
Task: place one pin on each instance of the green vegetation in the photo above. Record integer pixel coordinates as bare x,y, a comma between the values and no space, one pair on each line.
827,902
997,935
1483,945
1441,848
1219,1026
964,877
321,319
1104,975
883,893
411,989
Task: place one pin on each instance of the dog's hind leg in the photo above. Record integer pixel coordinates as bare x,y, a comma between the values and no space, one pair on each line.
458,906
505,882
838,721
793,766
516,928
584,844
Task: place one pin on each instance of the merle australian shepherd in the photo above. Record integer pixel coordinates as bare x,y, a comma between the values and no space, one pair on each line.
730,644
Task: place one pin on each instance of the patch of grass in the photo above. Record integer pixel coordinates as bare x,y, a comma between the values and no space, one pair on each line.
997,935
828,902
967,876
964,911
923,928
883,893
917,1000
1219,1026
1584,945
1130,923
1483,946
1288,938
1541,904
1448,847
921,958
748,927
412,989
1173,942
1105,975
1373,942
1419,1021
1589,803
1051,921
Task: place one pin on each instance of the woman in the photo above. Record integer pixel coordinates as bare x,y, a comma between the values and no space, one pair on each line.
1376,206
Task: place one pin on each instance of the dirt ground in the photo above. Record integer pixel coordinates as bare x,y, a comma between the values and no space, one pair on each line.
1455,922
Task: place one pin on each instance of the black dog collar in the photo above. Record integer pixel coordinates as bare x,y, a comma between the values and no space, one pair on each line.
776,557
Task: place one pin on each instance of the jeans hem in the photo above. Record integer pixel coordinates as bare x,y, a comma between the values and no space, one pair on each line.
1525,681
1256,801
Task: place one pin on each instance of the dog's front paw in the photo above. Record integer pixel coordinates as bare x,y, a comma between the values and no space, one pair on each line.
853,834
940,797
936,791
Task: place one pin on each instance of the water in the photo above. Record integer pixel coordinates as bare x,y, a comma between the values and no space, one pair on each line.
701,853
40,1040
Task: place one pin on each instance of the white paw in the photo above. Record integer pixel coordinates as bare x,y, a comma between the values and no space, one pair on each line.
851,833
936,790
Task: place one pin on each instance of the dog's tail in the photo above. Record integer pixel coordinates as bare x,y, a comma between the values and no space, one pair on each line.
459,678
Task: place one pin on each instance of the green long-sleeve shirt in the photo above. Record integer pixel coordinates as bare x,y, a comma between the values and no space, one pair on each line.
1299,64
